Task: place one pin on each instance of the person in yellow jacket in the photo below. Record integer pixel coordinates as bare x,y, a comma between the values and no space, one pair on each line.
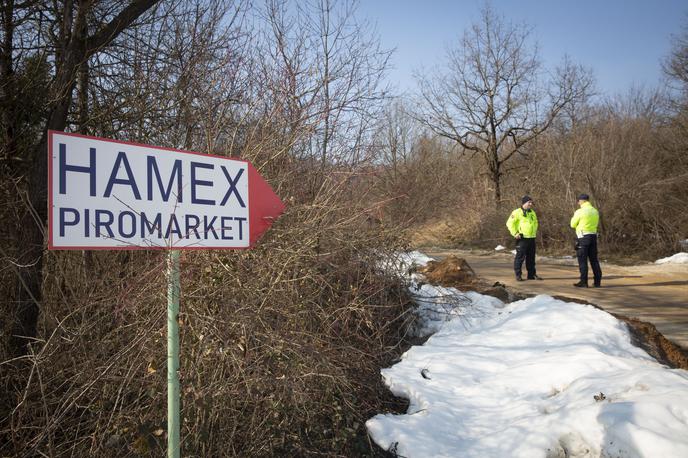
523,226
585,221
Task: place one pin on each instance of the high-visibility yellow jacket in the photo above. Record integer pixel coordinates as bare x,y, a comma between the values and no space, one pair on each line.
585,220
523,222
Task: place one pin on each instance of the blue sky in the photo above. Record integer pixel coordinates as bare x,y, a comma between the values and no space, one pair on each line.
623,42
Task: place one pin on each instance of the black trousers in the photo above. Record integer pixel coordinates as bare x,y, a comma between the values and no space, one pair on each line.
525,251
587,251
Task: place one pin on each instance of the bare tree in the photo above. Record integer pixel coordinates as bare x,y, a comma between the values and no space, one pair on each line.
397,134
676,65
324,68
77,30
675,68
490,99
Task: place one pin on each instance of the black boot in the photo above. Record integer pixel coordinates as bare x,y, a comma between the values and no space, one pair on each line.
581,284
519,278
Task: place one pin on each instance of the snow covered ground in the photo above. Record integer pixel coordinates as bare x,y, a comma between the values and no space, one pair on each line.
678,258
534,378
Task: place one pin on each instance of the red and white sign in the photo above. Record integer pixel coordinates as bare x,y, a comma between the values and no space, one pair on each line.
106,194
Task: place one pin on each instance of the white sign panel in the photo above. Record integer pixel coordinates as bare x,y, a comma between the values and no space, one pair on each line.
117,195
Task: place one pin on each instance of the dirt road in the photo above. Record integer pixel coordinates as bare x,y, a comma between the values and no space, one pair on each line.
654,293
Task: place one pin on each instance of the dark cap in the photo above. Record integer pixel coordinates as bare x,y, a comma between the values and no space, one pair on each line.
583,197
526,199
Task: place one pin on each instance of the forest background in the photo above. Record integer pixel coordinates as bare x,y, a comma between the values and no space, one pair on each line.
281,345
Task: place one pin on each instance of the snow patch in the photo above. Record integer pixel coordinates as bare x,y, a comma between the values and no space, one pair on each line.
678,258
535,378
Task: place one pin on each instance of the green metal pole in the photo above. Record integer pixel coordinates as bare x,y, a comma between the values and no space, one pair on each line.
173,293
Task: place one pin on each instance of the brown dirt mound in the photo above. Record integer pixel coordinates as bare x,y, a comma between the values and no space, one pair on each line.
451,271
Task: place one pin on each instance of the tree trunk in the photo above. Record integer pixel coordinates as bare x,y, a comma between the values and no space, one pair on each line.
75,50
32,236
496,181
495,171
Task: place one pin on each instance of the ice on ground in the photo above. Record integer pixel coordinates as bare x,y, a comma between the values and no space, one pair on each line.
500,248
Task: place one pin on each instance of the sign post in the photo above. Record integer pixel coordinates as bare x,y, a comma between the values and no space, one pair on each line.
112,195
173,293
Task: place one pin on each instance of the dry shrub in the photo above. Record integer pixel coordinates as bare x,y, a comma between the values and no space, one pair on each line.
634,169
466,217
281,345
441,197
433,234
635,177
11,211
422,187
468,226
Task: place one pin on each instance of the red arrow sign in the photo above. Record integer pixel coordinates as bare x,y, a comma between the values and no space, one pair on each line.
265,206
107,194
